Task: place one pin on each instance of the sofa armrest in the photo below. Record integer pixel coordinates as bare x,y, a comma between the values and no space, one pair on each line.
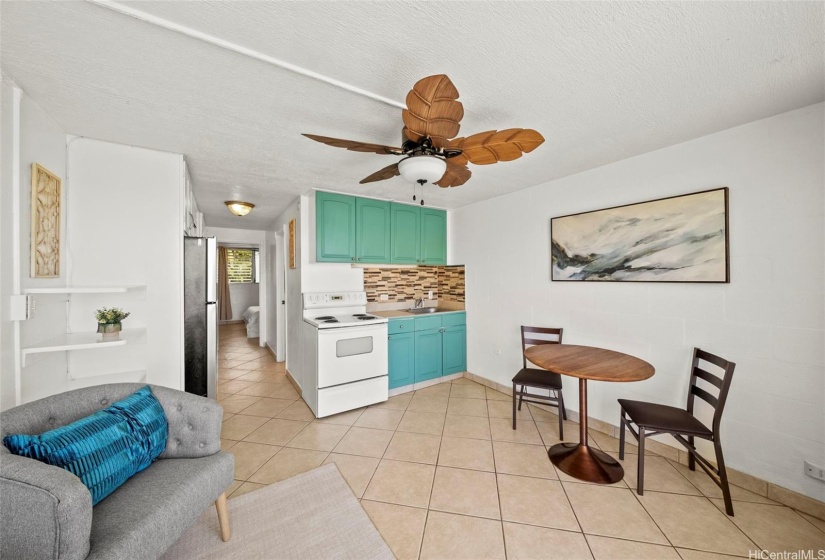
46,511
194,424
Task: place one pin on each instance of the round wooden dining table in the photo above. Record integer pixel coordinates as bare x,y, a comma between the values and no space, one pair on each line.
587,363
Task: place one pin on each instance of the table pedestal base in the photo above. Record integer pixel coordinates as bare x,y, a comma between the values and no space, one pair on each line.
581,461
586,463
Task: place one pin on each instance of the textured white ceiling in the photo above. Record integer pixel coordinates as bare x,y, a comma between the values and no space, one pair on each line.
601,81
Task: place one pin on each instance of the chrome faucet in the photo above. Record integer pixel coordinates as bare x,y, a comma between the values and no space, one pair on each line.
419,302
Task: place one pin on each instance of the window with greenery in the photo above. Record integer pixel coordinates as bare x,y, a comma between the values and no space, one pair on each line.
242,266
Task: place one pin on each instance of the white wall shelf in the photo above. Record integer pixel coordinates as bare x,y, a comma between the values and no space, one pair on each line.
84,341
78,381
83,290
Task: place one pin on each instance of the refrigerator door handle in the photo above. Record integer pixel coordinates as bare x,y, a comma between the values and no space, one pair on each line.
211,270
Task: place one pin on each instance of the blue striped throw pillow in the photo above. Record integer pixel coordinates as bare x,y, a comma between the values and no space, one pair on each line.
103,449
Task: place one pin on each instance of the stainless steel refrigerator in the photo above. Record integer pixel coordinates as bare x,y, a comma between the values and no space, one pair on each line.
200,316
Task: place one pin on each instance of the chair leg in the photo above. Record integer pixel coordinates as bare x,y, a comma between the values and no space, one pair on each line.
561,405
640,478
561,415
521,397
223,517
691,458
723,477
514,406
621,436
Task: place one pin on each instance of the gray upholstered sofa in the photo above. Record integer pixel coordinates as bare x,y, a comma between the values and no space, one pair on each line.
46,512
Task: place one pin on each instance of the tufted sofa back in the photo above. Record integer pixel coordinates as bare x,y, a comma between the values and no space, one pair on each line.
194,422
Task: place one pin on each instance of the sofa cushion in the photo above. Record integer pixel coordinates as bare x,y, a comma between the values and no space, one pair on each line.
149,513
103,449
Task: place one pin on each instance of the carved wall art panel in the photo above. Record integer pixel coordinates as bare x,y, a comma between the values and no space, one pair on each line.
45,234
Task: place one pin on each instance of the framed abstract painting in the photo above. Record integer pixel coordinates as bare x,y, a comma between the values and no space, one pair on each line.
677,239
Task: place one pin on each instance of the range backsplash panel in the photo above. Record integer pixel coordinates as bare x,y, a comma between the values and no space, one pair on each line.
405,284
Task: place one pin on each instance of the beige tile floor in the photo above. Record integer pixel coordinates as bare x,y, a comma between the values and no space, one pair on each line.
443,475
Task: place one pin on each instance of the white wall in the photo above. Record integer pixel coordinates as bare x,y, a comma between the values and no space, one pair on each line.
9,237
250,238
274,267
29,136
294,319
125,227
241,297
769,319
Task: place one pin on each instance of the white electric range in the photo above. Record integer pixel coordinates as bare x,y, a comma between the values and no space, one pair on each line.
345,353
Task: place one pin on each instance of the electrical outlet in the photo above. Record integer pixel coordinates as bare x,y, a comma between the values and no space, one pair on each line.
814,472
496,351
384,297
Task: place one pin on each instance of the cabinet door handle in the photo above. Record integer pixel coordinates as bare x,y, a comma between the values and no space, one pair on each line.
353,258
359,258
400,326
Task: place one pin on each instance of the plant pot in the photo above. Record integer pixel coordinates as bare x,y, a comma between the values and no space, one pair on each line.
110,331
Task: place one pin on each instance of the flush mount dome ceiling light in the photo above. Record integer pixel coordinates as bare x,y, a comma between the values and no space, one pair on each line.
239,208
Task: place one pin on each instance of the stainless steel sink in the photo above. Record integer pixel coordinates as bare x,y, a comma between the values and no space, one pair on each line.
421,310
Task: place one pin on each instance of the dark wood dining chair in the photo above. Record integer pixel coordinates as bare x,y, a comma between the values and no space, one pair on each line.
538,378
652,419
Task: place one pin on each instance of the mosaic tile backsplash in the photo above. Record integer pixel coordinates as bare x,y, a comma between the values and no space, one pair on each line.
405,284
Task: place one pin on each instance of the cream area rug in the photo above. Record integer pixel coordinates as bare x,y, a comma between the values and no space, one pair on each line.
311,516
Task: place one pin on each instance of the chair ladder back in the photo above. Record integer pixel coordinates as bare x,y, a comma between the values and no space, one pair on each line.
525,342
723,384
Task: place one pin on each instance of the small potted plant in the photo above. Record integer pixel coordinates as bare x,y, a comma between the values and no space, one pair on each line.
108,322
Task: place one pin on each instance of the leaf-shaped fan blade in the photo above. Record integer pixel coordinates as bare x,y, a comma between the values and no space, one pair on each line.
493,146
387,173
432,110
354,146
455,175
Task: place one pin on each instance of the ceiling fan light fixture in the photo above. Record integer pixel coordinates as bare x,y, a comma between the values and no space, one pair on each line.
239,208
427,168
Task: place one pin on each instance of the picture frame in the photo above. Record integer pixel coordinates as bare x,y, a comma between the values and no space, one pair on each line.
292,243
45,222
682,238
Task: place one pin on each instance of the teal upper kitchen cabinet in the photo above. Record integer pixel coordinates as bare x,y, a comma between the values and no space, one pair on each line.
419,235
433,236
372,230
335,227
354,229
406,234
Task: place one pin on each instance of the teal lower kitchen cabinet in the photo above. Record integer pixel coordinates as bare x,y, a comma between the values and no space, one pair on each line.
402,359
425,348
428,354
454,349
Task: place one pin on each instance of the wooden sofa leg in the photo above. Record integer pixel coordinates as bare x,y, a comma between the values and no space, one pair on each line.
223,517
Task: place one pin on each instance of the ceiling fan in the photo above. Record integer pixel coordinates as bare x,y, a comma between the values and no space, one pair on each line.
432,153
